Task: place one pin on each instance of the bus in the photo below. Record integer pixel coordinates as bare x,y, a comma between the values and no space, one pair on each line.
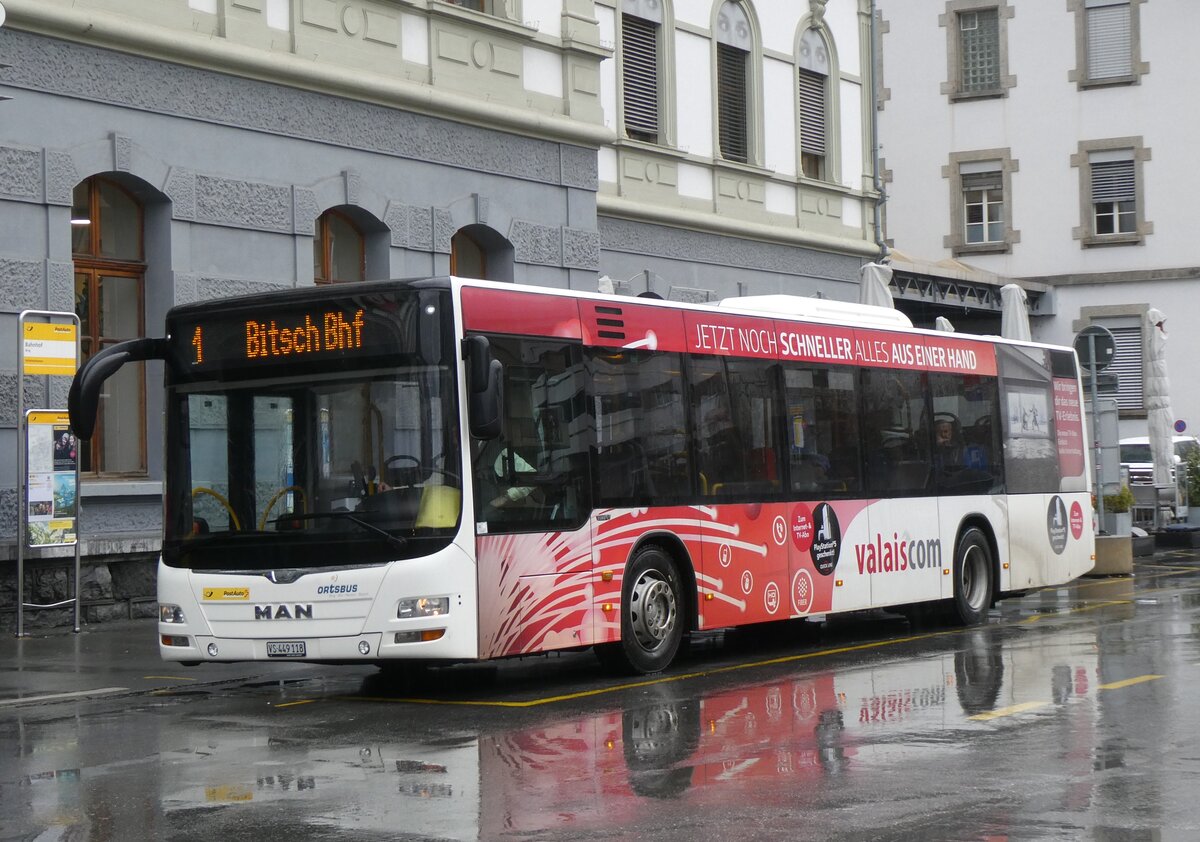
445,470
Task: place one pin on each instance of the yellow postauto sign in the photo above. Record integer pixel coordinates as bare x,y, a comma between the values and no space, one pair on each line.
210,594
49,348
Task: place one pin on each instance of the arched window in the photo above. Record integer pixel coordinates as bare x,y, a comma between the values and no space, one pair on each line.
478,251
467,257
814,70
339,254
110,272
735,43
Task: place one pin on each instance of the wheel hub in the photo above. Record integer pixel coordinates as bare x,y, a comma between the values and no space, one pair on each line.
653,611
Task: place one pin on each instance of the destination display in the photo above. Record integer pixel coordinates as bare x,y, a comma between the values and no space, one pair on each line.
310,333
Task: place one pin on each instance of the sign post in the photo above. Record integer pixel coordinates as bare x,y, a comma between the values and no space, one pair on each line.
48,455
1096,348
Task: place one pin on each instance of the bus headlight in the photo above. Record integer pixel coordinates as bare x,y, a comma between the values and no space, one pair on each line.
170,614
423,606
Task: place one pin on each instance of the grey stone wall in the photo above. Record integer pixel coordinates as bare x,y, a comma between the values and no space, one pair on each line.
232,173
697,266
110,588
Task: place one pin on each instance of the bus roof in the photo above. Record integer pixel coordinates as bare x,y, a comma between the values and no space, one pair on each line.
819,309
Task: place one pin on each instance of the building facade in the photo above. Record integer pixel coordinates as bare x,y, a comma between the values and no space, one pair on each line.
1051,143
160,152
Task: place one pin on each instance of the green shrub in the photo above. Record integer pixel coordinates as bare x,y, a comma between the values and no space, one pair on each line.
1192,466
1121,502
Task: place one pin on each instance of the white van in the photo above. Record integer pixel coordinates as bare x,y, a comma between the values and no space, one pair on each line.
1135,455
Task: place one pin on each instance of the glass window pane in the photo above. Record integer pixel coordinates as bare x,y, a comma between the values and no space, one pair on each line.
319,253
895,432
121,420
468,257
536,475
822,408
979,50
81,219
641,428
120,223
209,440
346,250
83,297
120,307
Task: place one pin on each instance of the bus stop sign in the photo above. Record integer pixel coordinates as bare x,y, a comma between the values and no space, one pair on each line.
1106,346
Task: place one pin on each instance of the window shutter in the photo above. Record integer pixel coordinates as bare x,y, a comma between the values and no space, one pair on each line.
982,181
1112,181
1109,42
812,112
731,102
639,60
1127,365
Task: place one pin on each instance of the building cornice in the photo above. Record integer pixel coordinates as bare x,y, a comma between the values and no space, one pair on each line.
616,206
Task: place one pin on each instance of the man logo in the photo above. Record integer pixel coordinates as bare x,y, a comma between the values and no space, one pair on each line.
282,612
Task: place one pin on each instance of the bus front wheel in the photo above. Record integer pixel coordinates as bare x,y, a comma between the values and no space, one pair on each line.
972,577
652,616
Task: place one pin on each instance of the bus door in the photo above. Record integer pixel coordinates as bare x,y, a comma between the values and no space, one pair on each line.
826,519
739,446
643,468
904,554
532,501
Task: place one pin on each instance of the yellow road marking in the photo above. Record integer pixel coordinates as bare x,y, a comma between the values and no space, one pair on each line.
1117,685
1008,711
168,677
292,704
1035,617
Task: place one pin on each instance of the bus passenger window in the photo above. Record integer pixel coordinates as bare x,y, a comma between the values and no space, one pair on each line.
897,444
535,476
641,452
823,438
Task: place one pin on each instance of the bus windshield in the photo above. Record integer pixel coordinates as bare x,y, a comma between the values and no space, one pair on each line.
314,466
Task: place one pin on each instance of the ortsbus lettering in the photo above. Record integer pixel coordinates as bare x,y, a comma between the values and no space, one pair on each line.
897,555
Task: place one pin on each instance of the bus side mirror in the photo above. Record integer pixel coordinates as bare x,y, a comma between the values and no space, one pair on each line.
84,398
485,388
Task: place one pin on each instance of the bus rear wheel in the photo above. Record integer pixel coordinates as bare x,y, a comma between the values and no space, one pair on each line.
972,578
652,616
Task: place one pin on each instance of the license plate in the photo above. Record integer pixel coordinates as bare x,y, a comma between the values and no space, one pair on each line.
285,649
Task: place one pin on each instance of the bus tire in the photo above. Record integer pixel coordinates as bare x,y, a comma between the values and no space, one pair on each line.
652,615
972,578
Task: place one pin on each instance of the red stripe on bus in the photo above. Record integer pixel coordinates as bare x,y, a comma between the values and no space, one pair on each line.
524,313
746,336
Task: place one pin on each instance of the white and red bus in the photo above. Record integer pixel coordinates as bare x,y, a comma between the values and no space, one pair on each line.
446,470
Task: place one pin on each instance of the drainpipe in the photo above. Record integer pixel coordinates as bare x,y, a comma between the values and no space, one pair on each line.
880,195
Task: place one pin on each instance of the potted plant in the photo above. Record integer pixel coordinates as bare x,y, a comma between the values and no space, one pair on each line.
1118,512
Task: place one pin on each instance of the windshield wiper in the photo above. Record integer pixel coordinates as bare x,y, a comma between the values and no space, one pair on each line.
394,540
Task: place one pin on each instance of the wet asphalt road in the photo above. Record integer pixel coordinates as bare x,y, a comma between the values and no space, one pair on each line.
1071,715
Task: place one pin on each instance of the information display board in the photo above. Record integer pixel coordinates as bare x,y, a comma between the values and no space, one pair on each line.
51,462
